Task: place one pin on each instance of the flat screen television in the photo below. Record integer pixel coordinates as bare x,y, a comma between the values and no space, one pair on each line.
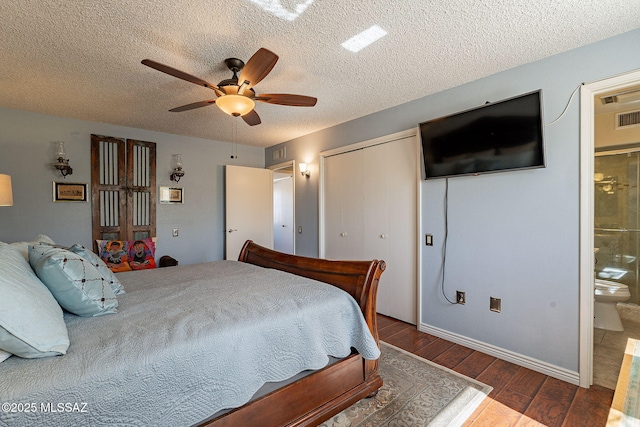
499,136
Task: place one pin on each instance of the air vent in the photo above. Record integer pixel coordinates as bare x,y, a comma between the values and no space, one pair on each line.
280,153
621,97
629,119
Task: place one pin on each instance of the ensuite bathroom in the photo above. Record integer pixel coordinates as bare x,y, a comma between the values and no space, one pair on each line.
616,230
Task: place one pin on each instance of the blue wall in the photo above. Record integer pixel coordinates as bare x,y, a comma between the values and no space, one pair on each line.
512,235
27,152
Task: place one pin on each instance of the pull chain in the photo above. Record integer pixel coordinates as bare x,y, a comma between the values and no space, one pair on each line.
234,147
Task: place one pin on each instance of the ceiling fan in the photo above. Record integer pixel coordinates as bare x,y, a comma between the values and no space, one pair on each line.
236,95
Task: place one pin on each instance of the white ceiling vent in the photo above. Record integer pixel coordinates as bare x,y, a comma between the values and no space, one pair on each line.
628,119
621,97
280,153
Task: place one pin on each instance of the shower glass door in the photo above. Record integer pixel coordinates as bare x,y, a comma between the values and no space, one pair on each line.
617,229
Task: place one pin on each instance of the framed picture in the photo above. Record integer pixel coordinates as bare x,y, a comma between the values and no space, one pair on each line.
69,192
170,195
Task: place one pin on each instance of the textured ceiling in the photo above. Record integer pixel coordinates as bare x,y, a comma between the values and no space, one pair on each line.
81,59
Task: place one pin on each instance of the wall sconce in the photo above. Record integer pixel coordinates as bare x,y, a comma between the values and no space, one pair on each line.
6,195
177,171
304,171
63,162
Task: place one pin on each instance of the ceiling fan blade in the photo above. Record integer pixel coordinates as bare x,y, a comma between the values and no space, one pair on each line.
287,99
181,75
252,118
193,105
258,66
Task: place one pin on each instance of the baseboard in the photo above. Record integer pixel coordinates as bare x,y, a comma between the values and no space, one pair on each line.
563,374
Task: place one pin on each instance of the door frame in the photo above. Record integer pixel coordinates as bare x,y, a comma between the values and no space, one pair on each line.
586,256
286,165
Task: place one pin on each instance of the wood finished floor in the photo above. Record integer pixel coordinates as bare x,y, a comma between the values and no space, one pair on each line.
520,397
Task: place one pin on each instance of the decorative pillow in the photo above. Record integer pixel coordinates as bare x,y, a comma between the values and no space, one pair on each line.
74,282
141,254
4,355
23,247
120,255
31,322
95,260
114,254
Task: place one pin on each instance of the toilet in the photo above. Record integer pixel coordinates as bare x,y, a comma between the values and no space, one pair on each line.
607,295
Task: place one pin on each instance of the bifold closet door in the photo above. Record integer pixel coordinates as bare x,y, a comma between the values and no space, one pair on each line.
344,206
390,224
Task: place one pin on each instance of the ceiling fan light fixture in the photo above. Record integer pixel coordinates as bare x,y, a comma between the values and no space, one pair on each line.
235,105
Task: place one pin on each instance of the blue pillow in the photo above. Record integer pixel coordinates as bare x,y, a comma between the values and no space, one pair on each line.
31,322
94,259
74,282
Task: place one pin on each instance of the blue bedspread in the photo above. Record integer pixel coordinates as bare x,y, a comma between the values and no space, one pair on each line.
186,342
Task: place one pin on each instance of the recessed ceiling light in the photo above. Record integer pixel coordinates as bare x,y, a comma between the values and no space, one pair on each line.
276,8
364,39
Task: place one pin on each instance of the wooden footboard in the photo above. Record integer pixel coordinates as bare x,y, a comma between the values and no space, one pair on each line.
324,393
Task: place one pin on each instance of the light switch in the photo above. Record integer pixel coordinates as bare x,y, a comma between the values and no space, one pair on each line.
429,239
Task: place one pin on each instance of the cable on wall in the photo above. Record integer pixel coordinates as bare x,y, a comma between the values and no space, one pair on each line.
567,106
446,235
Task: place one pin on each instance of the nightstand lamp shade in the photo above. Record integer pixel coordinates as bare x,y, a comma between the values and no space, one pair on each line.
6,195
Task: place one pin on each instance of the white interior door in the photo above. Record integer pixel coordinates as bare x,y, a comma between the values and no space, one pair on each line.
343,206
283,236
249,208
369,199
390,224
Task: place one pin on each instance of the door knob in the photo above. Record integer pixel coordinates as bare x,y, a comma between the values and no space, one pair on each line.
343,234
231,230
383,236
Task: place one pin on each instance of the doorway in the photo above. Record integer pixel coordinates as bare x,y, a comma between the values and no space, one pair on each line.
284,207
588,95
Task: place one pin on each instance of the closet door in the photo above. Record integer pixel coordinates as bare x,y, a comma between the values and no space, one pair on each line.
390,187
344,206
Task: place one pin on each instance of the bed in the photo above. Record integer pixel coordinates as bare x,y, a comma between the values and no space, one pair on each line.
171,369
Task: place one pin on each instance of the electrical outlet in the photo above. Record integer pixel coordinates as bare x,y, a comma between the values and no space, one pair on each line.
460,297
495,304
174,232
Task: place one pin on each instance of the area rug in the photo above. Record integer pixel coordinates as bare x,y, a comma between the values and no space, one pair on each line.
625,408
416,392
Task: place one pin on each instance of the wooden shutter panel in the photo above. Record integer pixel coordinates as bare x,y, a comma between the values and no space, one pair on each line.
123,180
141,184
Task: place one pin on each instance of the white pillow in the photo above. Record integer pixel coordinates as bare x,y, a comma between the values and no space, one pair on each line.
31,322
23,247
74,282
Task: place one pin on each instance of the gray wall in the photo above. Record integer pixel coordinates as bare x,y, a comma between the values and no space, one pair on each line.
512,235
27,153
